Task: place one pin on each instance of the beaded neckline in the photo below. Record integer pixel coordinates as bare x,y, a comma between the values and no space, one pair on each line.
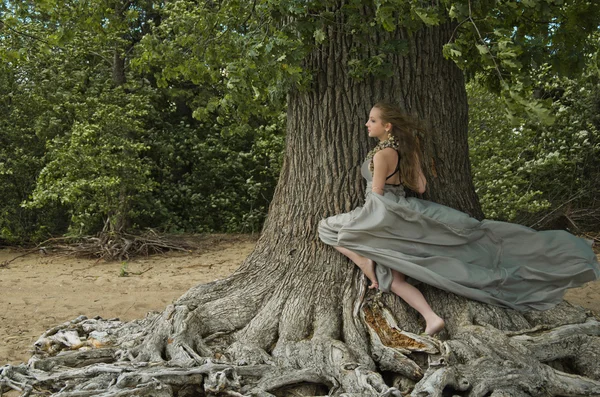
391,142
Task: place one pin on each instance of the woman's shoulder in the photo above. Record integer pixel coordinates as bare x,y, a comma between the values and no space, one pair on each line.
386,153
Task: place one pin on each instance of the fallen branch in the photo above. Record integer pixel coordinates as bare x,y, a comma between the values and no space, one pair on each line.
32,251
110,246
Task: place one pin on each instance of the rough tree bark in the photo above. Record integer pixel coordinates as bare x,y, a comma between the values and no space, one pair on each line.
296,318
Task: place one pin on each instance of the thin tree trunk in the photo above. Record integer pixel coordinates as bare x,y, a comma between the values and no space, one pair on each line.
119,221
118,69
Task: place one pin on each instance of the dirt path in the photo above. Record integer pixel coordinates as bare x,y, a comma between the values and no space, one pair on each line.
38,292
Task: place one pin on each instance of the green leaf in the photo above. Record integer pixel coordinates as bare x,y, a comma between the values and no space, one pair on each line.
385,15
428,17
482,49
319,36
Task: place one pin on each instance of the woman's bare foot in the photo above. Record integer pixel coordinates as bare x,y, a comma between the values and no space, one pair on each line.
434,326
368,268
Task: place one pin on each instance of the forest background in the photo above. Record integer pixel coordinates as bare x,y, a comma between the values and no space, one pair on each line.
139,114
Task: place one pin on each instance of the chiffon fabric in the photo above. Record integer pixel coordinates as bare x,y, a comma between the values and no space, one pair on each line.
495,262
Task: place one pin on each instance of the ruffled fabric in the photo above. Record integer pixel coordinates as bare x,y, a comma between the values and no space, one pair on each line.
495,262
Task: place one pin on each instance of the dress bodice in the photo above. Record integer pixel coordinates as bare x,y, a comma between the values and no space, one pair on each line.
364,170
366,173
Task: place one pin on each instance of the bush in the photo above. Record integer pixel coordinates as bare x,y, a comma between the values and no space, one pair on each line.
533,173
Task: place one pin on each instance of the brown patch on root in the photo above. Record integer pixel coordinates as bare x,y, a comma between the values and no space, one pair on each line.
389,336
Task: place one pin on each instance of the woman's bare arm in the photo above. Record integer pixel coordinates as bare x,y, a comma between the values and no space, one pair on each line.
381,162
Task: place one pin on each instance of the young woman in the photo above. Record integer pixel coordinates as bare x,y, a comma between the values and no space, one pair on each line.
397,240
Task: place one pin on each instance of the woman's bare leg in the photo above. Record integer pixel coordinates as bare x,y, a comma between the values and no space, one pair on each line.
415,298
366,265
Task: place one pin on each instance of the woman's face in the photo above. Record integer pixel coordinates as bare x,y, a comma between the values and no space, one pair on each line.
376,127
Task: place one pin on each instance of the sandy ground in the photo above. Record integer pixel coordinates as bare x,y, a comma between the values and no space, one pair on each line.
38,292
41,291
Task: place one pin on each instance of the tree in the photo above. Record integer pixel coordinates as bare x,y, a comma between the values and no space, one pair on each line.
296,319
87,129
107,146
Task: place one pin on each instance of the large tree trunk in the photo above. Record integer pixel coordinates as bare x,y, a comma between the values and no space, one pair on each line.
296,318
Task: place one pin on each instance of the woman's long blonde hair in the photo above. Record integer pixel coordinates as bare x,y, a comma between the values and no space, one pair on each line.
404,130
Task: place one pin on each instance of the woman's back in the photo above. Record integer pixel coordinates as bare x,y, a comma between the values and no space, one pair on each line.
392,161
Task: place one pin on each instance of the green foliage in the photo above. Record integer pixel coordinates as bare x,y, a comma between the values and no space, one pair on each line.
170,114
230,78
21,159
233,56
215,180
97,168
496,147
523,173
83,150
506,42
123,270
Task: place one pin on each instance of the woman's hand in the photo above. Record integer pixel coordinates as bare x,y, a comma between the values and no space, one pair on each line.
420,177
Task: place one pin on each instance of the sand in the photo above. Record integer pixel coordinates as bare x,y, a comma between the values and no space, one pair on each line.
39,291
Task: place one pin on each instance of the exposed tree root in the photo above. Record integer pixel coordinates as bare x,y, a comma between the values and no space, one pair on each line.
577,344
488,361
276,347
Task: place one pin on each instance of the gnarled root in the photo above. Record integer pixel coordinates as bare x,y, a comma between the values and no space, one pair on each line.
284,346
574,344
484,360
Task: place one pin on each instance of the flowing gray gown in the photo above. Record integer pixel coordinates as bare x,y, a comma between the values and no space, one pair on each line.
495,262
